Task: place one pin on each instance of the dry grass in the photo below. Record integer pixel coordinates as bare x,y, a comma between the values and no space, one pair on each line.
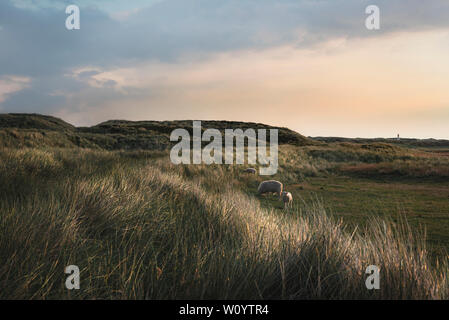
139,227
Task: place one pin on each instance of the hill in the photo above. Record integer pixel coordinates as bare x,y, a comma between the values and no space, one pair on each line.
34,130
405,142
34,121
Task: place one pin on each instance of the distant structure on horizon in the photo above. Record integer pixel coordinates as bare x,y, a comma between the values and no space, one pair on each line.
398,138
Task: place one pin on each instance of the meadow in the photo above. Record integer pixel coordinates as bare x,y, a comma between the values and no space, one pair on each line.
107,199
140,227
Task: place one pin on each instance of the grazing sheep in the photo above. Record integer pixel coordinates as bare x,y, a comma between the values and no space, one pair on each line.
270,186
287,198
250,170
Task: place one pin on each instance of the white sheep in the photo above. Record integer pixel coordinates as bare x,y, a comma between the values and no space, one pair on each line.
287,198
270,186
250,170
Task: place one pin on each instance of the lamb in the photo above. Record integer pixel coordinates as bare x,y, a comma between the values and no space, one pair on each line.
250,170
287,198
270,186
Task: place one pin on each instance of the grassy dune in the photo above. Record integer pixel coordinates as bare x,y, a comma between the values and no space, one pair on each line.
140,227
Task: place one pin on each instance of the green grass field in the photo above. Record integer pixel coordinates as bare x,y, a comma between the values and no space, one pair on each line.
423,204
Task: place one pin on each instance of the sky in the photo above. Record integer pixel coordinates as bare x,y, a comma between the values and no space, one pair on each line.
310,65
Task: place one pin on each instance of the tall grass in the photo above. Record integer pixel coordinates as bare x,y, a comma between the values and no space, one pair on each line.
141,228
367,161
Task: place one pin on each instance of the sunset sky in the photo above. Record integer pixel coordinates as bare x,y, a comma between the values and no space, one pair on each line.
309,65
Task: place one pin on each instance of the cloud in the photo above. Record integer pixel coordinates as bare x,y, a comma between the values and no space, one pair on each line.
12,84
187,58
358,87
35,41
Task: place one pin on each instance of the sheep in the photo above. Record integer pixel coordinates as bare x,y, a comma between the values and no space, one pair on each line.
250,170
270,186
287,198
